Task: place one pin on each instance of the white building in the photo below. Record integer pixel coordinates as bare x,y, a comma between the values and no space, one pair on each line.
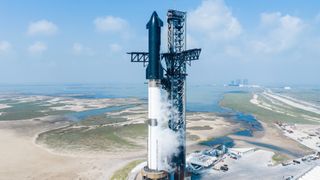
201,159
241,151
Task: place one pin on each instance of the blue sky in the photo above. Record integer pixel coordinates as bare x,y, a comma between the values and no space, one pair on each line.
268,42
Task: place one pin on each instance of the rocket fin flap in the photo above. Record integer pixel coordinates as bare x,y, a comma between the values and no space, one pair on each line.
160,22
148,25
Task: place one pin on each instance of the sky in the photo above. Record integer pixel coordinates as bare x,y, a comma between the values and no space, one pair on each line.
264,41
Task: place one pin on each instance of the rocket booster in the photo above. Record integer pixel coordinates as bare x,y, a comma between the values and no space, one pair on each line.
154,68
154,114
154,74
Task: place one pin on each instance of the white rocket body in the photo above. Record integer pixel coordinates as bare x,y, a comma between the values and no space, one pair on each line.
154,115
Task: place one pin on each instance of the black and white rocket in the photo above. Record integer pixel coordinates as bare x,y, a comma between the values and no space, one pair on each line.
154,74
173,84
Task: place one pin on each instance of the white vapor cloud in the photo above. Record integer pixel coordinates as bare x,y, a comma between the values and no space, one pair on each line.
42,27
214,20
110,24
80,49
5,47
37,48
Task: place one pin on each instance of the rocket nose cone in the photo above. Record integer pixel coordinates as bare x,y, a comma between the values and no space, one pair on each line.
154,20
154,15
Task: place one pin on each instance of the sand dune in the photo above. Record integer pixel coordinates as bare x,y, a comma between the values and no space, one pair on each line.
294,103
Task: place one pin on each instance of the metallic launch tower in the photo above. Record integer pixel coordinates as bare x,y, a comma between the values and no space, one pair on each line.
173,81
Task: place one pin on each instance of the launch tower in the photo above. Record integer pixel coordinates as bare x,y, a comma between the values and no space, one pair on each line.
167,71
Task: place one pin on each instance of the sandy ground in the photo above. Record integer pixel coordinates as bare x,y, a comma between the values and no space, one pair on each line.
294,102
308,135
73,104
3,106
273,136
21,158
282,104
216,126
69,103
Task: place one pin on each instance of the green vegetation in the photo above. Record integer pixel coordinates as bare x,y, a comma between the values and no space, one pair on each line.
279,158
28,110
241,102
311,95
97,138
7,101
286,108
133,131
101,120
192,137
199,128
123,172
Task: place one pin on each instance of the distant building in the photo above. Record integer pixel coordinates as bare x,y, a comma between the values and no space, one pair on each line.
239,82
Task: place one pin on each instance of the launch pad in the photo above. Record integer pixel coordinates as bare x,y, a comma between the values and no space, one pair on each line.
166,71
147,174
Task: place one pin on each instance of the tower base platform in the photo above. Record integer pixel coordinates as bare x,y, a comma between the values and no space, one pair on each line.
148,174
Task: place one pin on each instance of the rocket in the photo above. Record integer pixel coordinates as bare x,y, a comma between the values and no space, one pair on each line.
173,84
154,68
154,74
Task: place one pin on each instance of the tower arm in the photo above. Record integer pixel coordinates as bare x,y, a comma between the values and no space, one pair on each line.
188,55
139,57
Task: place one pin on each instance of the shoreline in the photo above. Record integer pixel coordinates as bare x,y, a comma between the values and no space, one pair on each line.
103,165
19,143
270,134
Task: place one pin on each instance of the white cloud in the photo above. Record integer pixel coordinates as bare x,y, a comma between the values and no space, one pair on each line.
110,24
42,27
214,28
37,48
215,20
115,47
278,32
267,19
5,47
80,49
